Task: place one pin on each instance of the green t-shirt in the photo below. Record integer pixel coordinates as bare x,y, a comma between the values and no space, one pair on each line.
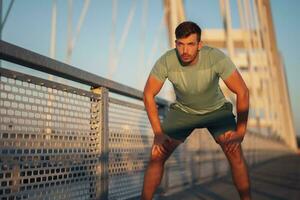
196,86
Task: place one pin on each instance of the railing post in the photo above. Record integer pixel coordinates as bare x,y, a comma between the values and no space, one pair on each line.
102,141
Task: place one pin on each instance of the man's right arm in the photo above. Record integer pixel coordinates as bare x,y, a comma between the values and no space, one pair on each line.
152,88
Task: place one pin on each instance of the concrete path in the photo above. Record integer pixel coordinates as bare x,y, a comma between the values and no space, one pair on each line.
276,179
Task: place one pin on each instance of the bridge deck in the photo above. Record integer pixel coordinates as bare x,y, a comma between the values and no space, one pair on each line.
276,179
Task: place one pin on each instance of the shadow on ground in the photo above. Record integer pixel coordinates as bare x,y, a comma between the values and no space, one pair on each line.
275,179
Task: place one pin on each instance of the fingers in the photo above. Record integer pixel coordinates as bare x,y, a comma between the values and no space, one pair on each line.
164,145
232,137
230,142
224,138
231,147
159,149
162,149
235,148
228,135
169,139
221,139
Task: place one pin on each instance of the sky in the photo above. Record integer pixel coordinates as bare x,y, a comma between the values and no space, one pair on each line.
29,25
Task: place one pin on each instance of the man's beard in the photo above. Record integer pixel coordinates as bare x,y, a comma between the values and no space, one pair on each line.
183,62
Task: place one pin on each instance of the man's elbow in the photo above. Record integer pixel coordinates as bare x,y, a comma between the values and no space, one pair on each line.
244,93
147,95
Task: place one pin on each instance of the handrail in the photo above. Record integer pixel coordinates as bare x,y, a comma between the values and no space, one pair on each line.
30,59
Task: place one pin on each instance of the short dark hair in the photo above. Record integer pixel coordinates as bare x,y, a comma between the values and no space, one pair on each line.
187,28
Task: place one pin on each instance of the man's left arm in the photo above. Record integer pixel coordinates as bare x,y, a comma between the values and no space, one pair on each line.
237,85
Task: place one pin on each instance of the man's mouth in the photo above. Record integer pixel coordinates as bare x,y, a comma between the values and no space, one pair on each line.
185,57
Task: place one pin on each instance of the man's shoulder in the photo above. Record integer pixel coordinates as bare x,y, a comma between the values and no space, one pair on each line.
213,51
169,54
214,54
169,58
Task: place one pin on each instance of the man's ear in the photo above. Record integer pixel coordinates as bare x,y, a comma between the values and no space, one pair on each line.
200,45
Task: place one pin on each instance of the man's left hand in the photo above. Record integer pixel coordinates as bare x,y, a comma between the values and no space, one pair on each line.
230,141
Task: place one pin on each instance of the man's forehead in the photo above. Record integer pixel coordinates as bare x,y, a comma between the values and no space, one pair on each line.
191,38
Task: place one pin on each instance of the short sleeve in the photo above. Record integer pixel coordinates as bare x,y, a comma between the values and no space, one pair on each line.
159,70
225,67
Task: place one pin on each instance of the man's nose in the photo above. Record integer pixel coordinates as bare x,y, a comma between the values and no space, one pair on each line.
184,49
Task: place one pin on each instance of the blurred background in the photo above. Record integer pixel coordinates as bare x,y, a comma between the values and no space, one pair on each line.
53,143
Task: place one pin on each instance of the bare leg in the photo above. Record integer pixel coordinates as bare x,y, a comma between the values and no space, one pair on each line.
155,169
239,171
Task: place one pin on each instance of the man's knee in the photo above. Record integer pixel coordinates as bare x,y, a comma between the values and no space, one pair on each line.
221,139
162,154
158,156
236,156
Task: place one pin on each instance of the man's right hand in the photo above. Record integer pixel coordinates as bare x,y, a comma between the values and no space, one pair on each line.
159,141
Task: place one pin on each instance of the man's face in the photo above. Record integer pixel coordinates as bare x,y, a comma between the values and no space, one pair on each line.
187,49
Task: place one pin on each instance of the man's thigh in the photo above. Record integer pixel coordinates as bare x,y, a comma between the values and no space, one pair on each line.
221,121
178,125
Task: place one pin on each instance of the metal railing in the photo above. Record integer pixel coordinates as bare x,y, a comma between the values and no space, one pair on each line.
63,141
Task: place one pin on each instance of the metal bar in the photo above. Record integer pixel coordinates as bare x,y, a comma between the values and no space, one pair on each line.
79,25
24,57
127,26
43,82
1,10
70,28
126,103
112,46
6,15
102,137
53,30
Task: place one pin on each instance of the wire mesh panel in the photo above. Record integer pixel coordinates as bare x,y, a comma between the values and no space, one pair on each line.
49,146
130,140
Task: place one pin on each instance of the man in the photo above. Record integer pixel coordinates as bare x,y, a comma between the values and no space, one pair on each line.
194,71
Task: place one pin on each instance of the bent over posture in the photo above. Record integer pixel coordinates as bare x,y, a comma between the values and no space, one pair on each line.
194,70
